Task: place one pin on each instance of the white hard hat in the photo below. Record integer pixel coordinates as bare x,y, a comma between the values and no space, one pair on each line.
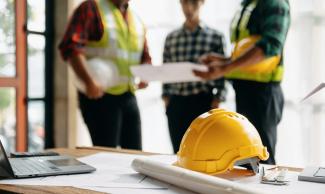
104,72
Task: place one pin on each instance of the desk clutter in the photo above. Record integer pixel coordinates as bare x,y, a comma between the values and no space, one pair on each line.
274,177
115,174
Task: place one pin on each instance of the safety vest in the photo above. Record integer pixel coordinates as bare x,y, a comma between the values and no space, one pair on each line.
265,71
122,43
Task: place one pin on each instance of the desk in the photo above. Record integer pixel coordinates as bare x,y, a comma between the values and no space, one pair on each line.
77,152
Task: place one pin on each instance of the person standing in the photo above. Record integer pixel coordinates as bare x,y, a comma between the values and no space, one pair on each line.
258,33
108,30
186,101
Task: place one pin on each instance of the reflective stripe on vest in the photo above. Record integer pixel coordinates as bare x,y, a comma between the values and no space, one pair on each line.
264,71
121,43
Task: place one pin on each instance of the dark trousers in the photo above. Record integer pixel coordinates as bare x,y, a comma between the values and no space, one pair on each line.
182,110
262,104
113,120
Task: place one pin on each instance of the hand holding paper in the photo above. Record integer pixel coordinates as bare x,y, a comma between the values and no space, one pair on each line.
169,72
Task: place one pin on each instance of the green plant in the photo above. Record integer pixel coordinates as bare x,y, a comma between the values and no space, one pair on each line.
7,20
5,100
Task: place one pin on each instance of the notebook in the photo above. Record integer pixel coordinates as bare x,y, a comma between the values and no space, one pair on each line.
28,167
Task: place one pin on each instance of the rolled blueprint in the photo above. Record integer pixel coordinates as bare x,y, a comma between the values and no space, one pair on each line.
190,180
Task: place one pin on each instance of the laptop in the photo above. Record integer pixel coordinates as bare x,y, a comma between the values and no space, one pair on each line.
29,167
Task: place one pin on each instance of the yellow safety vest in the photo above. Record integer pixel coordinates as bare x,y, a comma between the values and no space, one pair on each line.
122,43
265,71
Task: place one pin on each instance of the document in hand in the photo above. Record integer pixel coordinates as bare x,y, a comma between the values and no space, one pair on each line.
168,72
317,89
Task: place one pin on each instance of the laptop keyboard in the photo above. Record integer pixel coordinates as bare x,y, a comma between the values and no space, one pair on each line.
32,166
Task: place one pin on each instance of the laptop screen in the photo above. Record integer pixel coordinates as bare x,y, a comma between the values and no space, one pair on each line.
5,167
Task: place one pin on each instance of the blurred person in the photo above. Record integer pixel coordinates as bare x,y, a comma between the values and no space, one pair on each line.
186,101
108,30
257,70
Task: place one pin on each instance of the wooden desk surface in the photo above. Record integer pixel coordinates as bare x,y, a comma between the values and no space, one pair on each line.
78,152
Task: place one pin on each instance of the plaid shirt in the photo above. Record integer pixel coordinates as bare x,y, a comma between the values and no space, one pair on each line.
271,20
86,25
183,45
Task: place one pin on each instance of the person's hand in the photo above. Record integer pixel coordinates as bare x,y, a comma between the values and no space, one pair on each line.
216,66
142,85
94,90
166,100
213,57
215,71
215,103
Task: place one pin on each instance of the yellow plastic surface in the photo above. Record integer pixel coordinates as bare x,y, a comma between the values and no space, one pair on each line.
216,140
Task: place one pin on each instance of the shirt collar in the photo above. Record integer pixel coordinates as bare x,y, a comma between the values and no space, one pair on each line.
198,28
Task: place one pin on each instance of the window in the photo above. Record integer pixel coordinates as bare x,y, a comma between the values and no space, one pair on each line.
39,37
7,69
8,117
13,75
7,39
25,74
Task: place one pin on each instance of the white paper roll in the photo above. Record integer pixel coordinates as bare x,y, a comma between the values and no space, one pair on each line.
190,180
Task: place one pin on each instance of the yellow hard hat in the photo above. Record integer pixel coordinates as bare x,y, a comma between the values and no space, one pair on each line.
219,139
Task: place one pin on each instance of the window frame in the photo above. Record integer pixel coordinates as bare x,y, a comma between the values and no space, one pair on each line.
20,81
48,35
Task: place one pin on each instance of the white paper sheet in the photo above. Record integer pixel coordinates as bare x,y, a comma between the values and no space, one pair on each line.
113,170
316,90
170,190
294,187
169,72
114,175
